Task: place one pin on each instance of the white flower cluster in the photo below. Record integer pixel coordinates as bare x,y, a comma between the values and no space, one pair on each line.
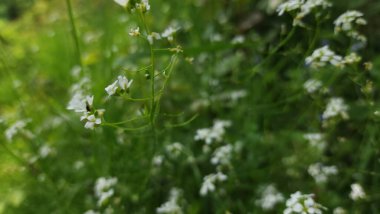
174,149
357,192
222,155
320,173
142,5
346,23
104,189
269,198
171,206
120,86
336,107
324,55
215,133
84,104
303,8
18,128
321,56
169,32
302,203
209,181
316,139
312,85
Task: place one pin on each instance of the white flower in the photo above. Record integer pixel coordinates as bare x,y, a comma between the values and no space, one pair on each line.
335,107
80,103
169,32
144,6
122,85
222,155
300,203
346,23
208,184
357,192
321,56
339,210
157,160
302,7
122,3
111,89
238,40
153,36
214,133
352,58
134,32
320,173
104,189
269,198
174,149
17,127
91,121
171,206
316,140
312,85
44,151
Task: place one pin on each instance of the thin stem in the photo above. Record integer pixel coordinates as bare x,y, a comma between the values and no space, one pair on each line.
74,32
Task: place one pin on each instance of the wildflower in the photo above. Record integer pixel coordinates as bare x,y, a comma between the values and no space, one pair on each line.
316,140
269,198
153,36
157,160
347,22
222,155
302,7
357,192
312,85
174,149
208,184
305,204
104,189
143,6
321,56
122,3
169,32
91,212
335,107
339,210
171,206
214,133
320,172
238,40
91,120
121,85
45,151
80,103
18,127
134,32
352,58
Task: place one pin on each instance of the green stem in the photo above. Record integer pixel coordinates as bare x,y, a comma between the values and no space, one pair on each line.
74,32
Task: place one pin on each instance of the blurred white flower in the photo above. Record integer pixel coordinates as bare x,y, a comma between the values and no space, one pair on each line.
104,189
214,133
335,107
346,23
320,173
169,32
312,85
302,203
91,121
209,181
269,198
121,85
80,103
222,155
321,56
357,192
339,210
174,149
16,128
134,32
122,3
171,206
153,36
